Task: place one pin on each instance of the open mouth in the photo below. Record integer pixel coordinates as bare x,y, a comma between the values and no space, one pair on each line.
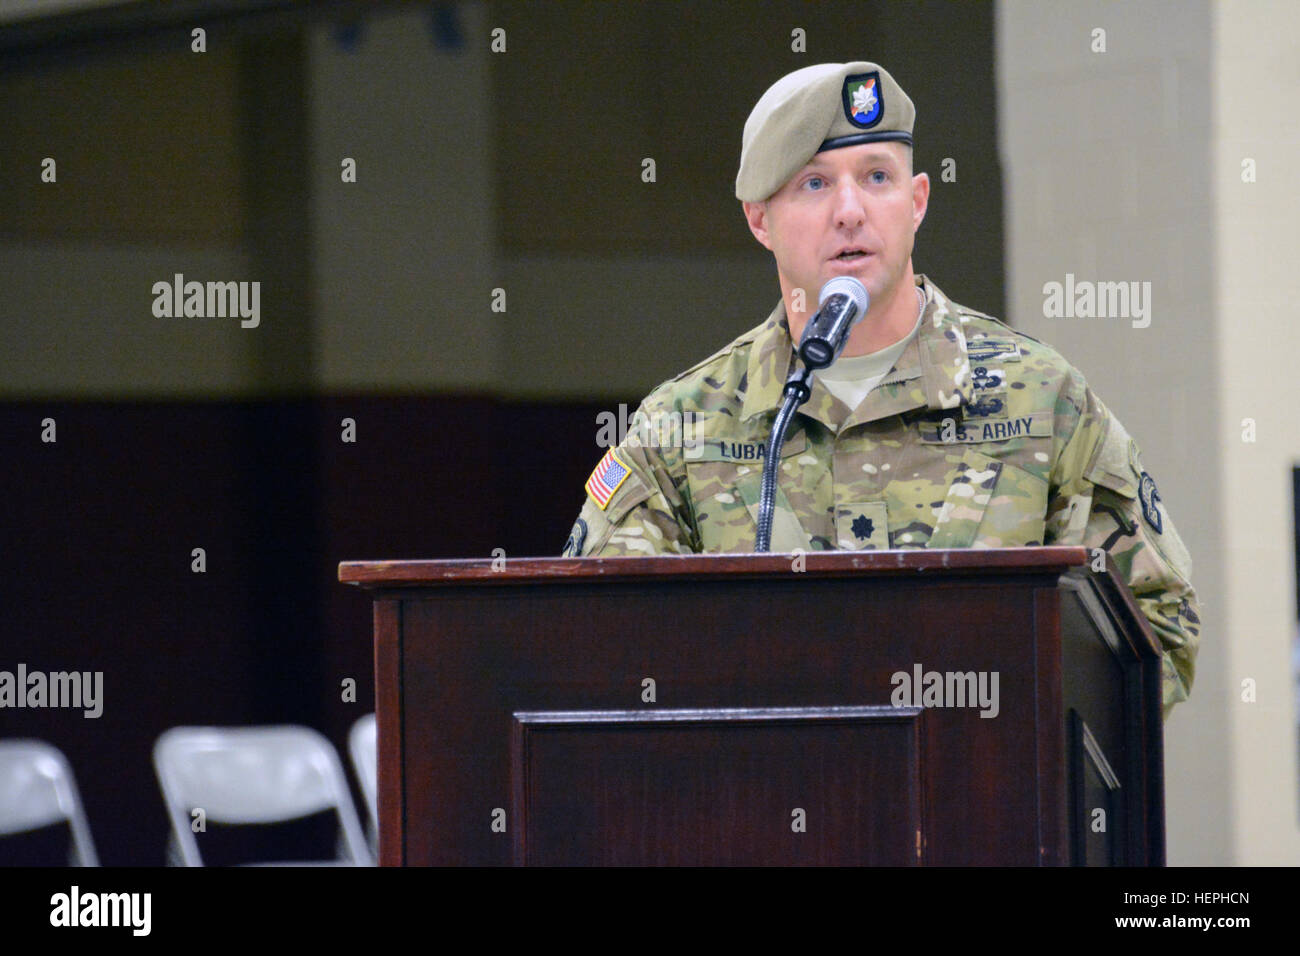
851,254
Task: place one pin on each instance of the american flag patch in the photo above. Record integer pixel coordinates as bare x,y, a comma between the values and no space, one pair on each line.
604,481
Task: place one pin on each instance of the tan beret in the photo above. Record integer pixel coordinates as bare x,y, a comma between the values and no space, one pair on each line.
814,109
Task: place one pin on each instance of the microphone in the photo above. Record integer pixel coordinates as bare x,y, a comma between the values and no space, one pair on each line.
843,302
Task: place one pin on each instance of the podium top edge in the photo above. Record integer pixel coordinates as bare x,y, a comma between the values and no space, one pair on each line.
508,570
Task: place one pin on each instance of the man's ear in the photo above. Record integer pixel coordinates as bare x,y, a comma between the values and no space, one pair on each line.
756,216
920,198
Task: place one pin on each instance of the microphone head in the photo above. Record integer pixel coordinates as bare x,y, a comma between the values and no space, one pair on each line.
827,332
846,285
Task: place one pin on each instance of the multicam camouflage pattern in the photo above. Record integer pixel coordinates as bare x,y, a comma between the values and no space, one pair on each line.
980,437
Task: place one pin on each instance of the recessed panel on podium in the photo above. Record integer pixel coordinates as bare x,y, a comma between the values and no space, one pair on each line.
724,787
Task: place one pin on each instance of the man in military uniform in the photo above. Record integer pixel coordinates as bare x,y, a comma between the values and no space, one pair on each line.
939,427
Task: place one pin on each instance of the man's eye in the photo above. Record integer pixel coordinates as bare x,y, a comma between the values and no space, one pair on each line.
817,180
879,176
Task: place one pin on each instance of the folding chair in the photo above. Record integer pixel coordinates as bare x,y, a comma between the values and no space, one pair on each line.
253,775
37,790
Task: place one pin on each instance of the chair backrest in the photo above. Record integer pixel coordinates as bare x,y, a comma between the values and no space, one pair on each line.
362,746
37,789
252,775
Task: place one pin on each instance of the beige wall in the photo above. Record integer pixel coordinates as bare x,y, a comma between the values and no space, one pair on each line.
1256,82
1125,165
404,259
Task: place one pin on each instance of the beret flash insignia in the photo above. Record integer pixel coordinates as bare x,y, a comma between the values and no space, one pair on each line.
862,103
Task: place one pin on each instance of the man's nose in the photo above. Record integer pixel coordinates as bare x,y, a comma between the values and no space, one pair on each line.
850,209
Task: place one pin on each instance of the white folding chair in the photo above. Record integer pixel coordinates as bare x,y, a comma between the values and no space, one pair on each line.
37,790
253,775
362,745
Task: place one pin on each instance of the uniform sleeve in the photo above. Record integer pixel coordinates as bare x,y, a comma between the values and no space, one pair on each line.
1103,497
647,512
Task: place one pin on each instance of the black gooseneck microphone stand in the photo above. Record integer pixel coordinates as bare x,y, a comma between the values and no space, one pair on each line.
796,391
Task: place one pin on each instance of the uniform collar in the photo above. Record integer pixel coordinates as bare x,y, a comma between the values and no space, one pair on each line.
933,371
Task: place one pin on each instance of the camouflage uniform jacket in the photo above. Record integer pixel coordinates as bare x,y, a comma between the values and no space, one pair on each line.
980,437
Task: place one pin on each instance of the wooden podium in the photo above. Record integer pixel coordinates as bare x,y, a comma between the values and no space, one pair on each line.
867,708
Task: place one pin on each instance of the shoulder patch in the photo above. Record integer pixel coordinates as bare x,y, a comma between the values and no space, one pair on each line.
606,478
1148,495
577,538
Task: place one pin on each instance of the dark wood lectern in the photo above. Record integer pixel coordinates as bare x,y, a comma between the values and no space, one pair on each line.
887,707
